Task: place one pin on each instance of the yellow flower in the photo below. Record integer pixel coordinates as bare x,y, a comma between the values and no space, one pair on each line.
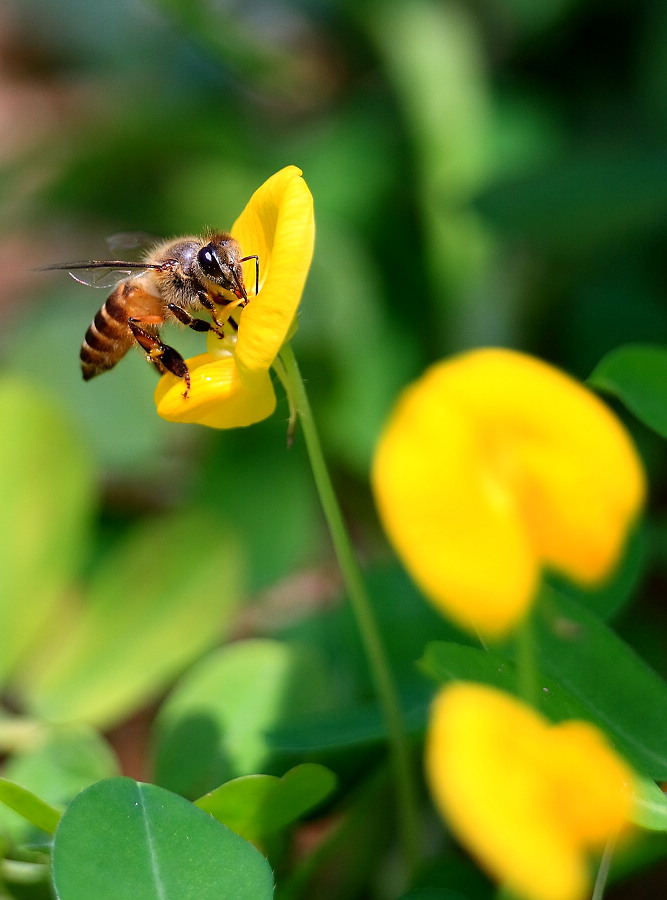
494,465
529,799
231,383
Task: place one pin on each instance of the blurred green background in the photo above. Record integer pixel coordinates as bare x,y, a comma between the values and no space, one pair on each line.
484,172
490,172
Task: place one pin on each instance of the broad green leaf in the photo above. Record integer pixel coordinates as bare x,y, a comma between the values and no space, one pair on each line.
650,809
255,806
156,603
46,485
58,762
591,674
454,662
29,805
637,375
353,728
620,692
213,726
587,672
121,839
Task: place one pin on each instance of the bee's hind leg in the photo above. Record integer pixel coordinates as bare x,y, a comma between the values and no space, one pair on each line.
163,357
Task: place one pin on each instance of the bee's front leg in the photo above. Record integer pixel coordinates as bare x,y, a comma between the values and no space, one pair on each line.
208,304
185,318
163,357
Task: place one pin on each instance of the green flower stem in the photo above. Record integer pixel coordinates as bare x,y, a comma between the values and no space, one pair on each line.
603,870
366,622
527,681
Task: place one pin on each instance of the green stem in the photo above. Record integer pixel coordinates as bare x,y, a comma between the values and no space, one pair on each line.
363,611
603,870
527,685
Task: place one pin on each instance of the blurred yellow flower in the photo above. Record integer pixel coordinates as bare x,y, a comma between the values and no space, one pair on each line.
230,383
494,465
529,799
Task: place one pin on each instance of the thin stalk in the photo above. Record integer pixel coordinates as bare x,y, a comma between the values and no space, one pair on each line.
351,573
527,681
603,870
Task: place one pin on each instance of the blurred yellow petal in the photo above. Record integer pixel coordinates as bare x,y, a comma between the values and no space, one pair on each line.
278,225
530,800
494,465
217,398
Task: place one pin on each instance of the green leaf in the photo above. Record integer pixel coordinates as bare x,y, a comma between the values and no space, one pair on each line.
121,839
55,765
213,726
156,603
637,375
622,694
447,662
650,810
590,673
29,805
353,728
587,672
46,485
255,806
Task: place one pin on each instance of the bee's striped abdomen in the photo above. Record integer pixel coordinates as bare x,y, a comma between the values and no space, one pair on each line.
109,337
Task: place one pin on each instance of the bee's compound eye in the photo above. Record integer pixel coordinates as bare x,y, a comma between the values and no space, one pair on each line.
209,263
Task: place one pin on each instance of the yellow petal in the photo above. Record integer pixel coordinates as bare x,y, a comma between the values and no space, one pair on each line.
494,465
278,225
528,799
217,398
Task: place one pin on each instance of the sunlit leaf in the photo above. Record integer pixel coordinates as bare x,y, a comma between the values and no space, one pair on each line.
258,805
650,810
29,805
213,726
55,765
454,662
156,603
46,485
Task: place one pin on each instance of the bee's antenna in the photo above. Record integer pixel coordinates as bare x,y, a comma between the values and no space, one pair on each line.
256,258
97,264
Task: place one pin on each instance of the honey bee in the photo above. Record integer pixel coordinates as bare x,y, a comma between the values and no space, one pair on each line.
177,277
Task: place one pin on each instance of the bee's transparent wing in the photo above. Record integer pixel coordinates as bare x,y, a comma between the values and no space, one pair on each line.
102,273
132,240
107,277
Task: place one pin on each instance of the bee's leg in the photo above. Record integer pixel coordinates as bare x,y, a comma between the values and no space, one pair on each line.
185,318
208,304
163,357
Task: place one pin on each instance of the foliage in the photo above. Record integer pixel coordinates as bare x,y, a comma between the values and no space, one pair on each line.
178,658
